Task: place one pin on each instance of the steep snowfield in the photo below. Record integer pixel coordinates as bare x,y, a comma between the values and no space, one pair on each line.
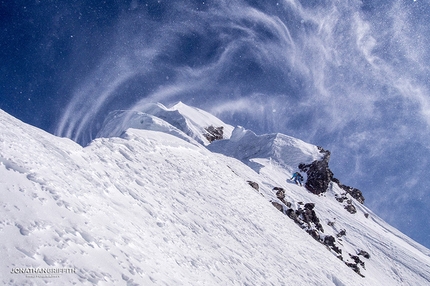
150,208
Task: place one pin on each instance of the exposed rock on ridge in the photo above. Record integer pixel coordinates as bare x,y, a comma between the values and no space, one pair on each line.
320,176
214,133
355,193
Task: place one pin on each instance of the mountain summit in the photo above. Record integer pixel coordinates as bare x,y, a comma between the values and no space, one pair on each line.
174,196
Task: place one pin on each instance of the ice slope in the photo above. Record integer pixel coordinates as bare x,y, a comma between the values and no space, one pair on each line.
151,208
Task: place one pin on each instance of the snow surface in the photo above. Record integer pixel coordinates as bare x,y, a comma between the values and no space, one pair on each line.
153,207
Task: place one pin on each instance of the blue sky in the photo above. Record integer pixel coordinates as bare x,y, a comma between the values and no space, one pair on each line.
352,77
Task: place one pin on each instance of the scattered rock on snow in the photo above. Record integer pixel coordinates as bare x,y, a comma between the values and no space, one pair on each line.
254,185
354,267
351,208
341,233
365,254
354,192
329,240
280,193
278,206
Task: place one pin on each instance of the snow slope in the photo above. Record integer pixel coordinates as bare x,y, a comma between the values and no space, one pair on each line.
250,148
153,207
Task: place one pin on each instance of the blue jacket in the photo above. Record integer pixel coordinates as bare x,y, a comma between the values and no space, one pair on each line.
297,176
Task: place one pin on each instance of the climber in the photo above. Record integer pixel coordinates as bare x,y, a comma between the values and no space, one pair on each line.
298,178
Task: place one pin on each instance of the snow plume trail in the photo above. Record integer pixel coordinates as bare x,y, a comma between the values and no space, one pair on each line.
351,75
195,52
315,62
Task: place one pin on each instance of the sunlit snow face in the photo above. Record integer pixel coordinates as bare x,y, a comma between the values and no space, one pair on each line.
351,76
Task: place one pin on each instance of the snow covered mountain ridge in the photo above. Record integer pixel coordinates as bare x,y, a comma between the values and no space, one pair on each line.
174,196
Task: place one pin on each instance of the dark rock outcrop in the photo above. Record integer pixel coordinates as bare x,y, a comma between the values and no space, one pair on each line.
314,233
318,173
329,240
306,218
351,208
278,206
365,254
214,133
280,194
309,215
341,198
341,233
354,267
320,176
254,185
309,206
292,215
349,205
358,262
355,193
338,251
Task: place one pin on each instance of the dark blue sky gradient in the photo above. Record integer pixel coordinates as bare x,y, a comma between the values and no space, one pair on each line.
351,76
47,47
